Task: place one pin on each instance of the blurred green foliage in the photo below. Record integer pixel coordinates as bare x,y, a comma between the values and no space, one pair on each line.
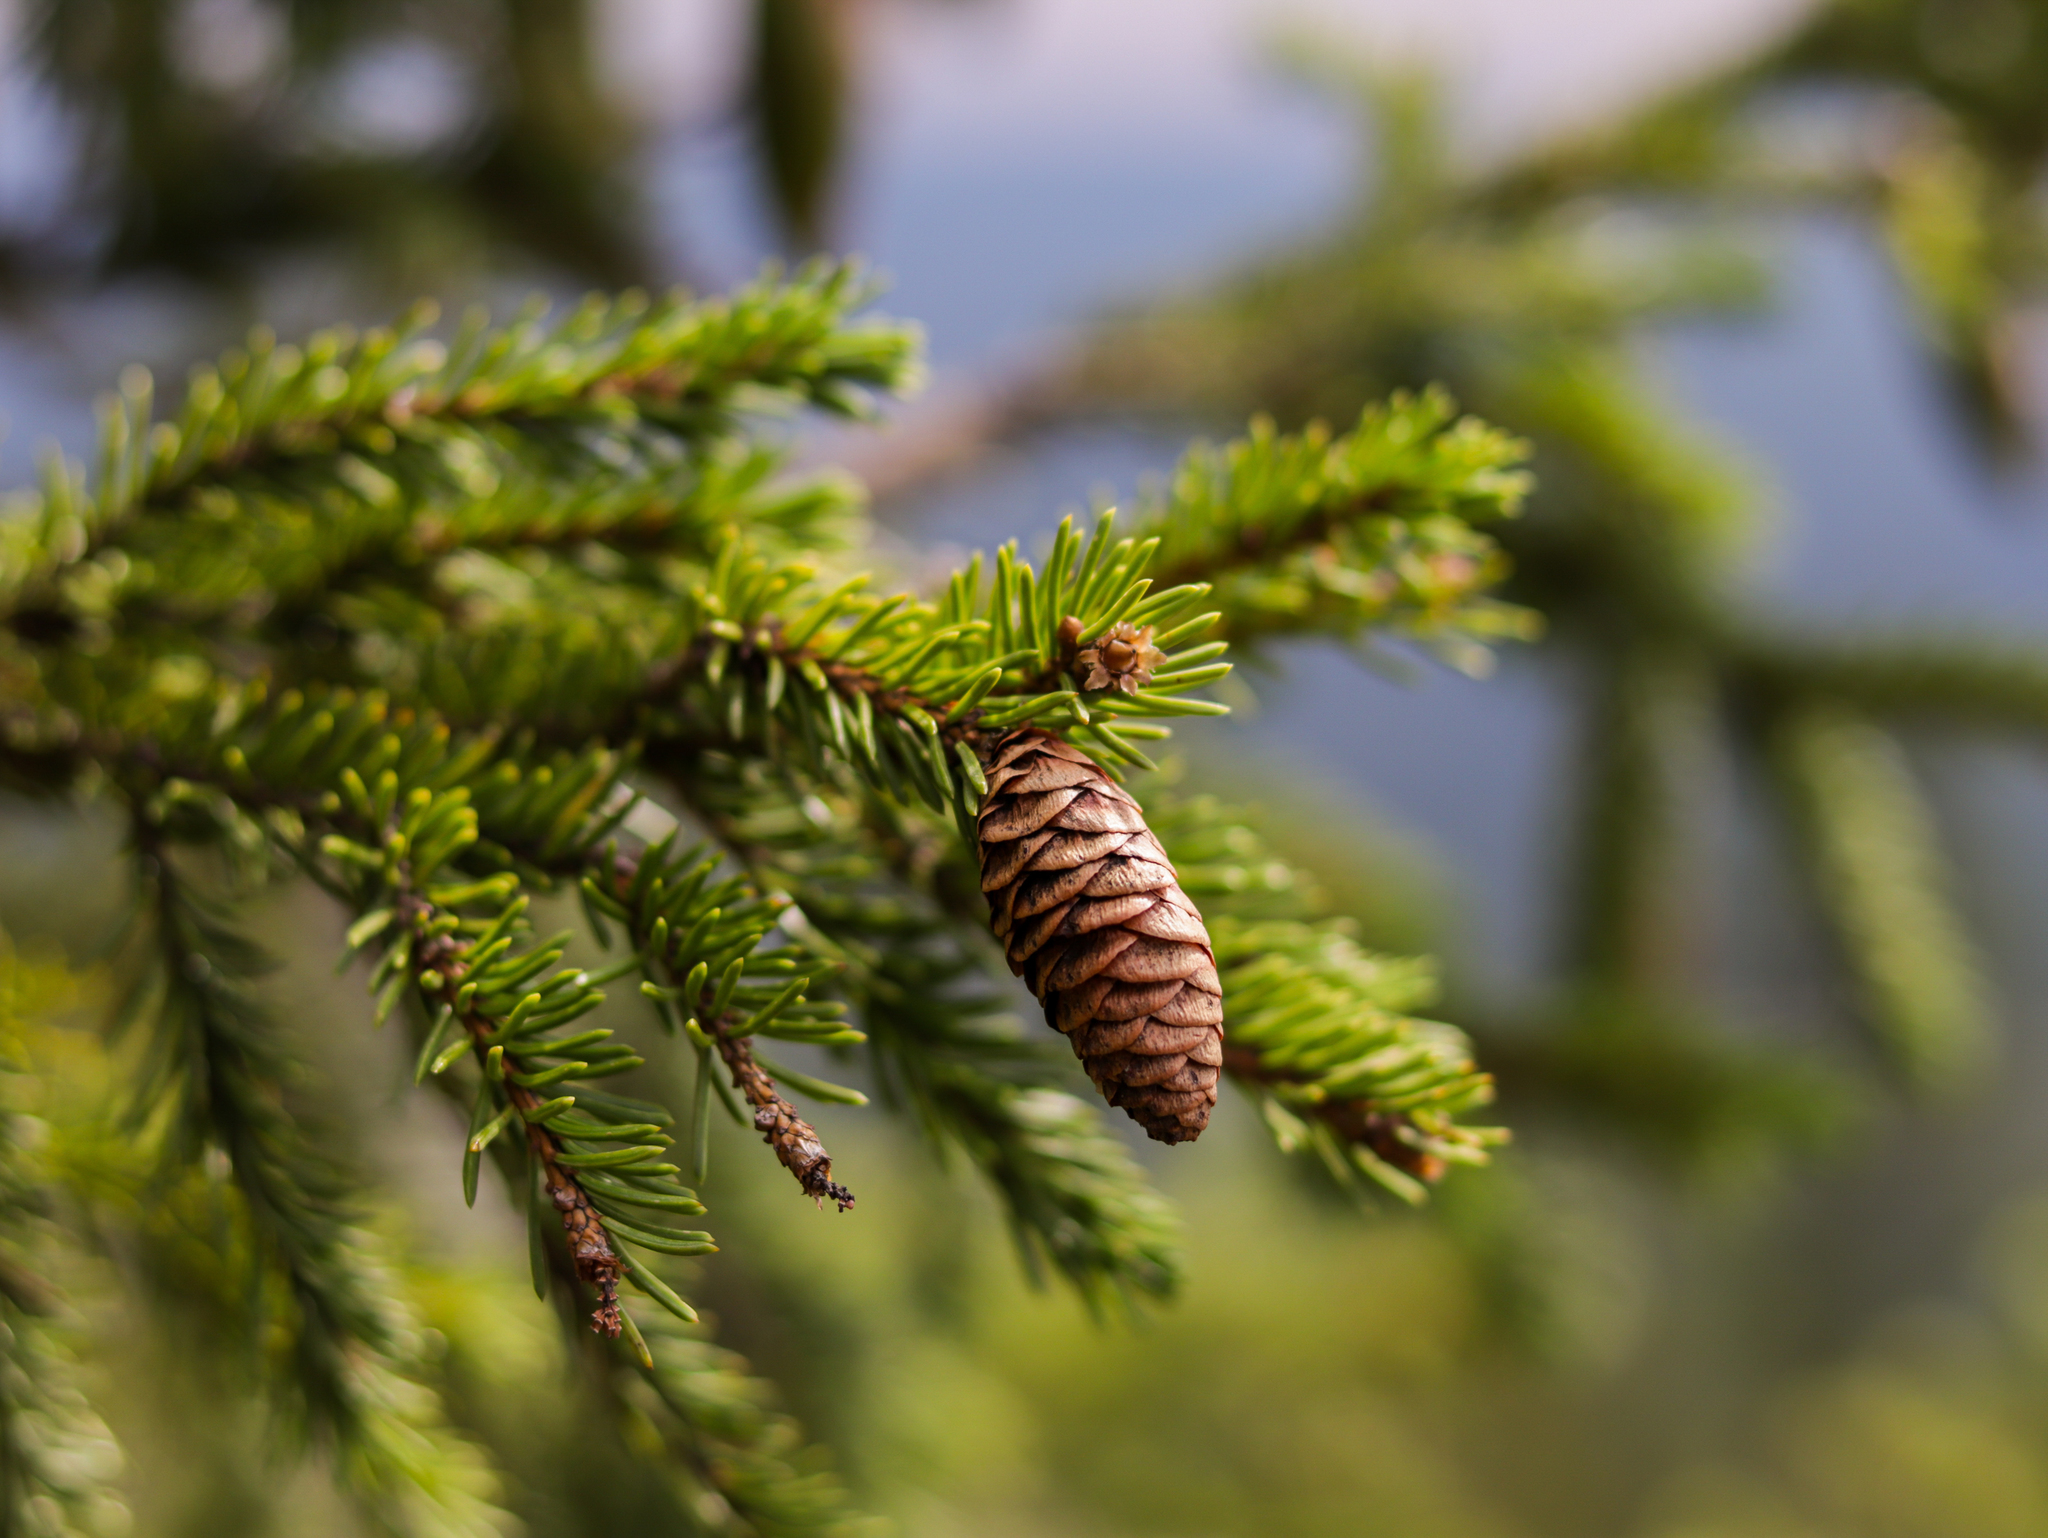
215,134
421,144
1953,172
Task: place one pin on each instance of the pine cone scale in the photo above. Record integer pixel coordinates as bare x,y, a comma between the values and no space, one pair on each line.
1129,1001
1095,813
1093,919
1027,814
1002,863
1103,1037
1048,774
1028,941
1197,1043
1163,921
1066,850
1190,1006
1038,892
1138,875
1072,964
1149,961
1115,910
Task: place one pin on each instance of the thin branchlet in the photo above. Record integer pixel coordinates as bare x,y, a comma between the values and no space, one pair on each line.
597,1264
794,1140
1392,1136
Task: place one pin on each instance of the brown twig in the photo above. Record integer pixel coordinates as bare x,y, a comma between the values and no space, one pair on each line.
794,1140
589,1244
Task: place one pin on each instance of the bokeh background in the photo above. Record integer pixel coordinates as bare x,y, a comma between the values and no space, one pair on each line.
1739,875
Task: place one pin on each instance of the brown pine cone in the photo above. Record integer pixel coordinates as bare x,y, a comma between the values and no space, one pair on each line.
1086,905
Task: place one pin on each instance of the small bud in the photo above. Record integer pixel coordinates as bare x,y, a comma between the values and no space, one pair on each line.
1123,659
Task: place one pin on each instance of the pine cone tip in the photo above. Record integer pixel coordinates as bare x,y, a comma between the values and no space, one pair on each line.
1121,658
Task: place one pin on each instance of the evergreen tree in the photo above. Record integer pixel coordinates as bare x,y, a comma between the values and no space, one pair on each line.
458,628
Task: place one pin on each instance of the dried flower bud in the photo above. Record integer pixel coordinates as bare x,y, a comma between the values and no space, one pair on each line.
1123,658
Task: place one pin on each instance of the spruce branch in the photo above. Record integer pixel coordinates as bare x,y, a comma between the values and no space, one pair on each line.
880,652
1979,681
439,968
462,946
59,1464
1316,1023
665,889
721,1424
1882,883
1075,1197
355,422
700,940
706,1411
1318,1030
879,888
374,805
408,620
1375,528
214,1077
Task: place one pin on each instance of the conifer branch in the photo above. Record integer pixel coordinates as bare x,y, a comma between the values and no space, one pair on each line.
711,1022
881,688
59,1464
490,991
403,432
1882,884
380,851
1075,1196
720,1423
712,1416
878,892
1377,527
1318,1030
439,968
1977,681
214,1078
794,1140
294,602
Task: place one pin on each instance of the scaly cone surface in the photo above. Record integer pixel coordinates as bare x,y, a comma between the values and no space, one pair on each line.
1093,919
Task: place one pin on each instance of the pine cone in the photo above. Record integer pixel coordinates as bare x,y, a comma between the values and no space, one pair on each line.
1090,915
